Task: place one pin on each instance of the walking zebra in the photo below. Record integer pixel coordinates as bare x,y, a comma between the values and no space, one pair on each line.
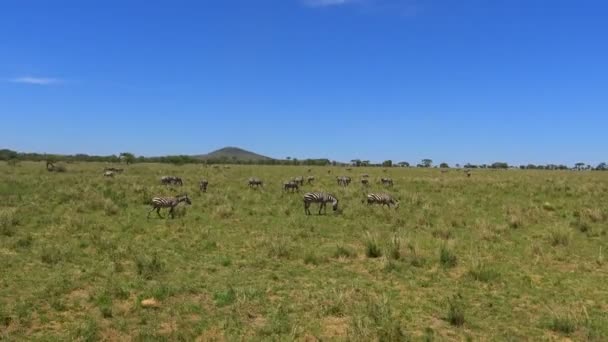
108,174
255,182
384,199
291,185
365,182
166,180
310,179
203,185
319,197
387,181
298,180
167,202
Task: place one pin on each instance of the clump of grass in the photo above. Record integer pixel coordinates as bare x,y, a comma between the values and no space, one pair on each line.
548,206
149,267
515,221
225,297
581,225
416,258
395,247
560,236
279,249
595,215
8,222
376,322
51,256
443,233
311,259
87,331
24,242
562,324
447,257
455,314
104,302
223,211
110,208
482,272
344,252
372,249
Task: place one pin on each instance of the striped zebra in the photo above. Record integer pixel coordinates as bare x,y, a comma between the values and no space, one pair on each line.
343,180
383,199
291,185
310,179
386,181
167,202
365,182
108,173
114,169
319,197
166,180
203,185
298,180
255,182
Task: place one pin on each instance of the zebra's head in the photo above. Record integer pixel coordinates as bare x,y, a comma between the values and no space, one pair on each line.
335,204
185,198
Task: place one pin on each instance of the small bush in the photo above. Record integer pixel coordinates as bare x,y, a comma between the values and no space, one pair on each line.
562,324
148,268
311,259
226,297
559,236
455,314
395,247
344,252
372,250
447,257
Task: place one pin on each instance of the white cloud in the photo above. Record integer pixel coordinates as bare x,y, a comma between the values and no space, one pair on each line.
36,80
326,3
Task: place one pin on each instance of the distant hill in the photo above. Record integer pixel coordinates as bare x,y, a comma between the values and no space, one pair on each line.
234,153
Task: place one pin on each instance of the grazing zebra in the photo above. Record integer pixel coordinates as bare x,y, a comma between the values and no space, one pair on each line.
167,202
203,185
166,180
384,199
310,179
343,180
386,181
255,182
108,174
319,197
365,182
114,169
291,185
299,180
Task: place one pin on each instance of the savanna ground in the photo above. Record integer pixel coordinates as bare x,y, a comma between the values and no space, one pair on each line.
503,255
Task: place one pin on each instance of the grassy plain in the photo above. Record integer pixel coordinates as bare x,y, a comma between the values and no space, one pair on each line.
502,255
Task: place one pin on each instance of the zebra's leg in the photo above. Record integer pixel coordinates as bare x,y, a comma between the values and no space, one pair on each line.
171,212
306,209
158,212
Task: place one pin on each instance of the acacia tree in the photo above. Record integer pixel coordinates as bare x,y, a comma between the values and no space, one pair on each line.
427,162
444,166
127,157
403,164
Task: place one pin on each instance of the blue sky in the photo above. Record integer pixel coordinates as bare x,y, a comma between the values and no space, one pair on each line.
457,81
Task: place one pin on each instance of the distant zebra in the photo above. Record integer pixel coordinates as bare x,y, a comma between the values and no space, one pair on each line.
203,185
384,199
255,182
166,180
319,197
365,182
291,185
343,180
114,169
167,202
387,181
299,180
365,175
108,174
468,172
310,179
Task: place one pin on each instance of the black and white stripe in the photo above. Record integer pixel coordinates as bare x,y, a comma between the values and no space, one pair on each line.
319,197
383,199
253,181
166,180
203,185
343,180
167,202
291,185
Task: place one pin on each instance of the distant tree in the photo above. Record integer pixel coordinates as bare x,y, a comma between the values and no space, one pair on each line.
602,167
356,162
127,157
579,165
427,162
403,164
499,165
458,166
470,166
365,163
387,163
444,166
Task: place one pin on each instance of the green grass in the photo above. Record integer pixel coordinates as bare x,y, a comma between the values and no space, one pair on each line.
490,257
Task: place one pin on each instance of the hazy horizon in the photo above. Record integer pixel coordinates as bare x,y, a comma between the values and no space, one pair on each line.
469,81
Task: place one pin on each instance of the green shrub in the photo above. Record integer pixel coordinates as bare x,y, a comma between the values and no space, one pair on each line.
447,258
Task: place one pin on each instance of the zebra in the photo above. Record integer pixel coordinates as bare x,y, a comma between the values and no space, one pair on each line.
365,182
343,180
167,202
319,197
310,179
468,172
365,175
386,181
114,169
299,180
384,199
166,180
108,174
203,185
291,185
255,182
